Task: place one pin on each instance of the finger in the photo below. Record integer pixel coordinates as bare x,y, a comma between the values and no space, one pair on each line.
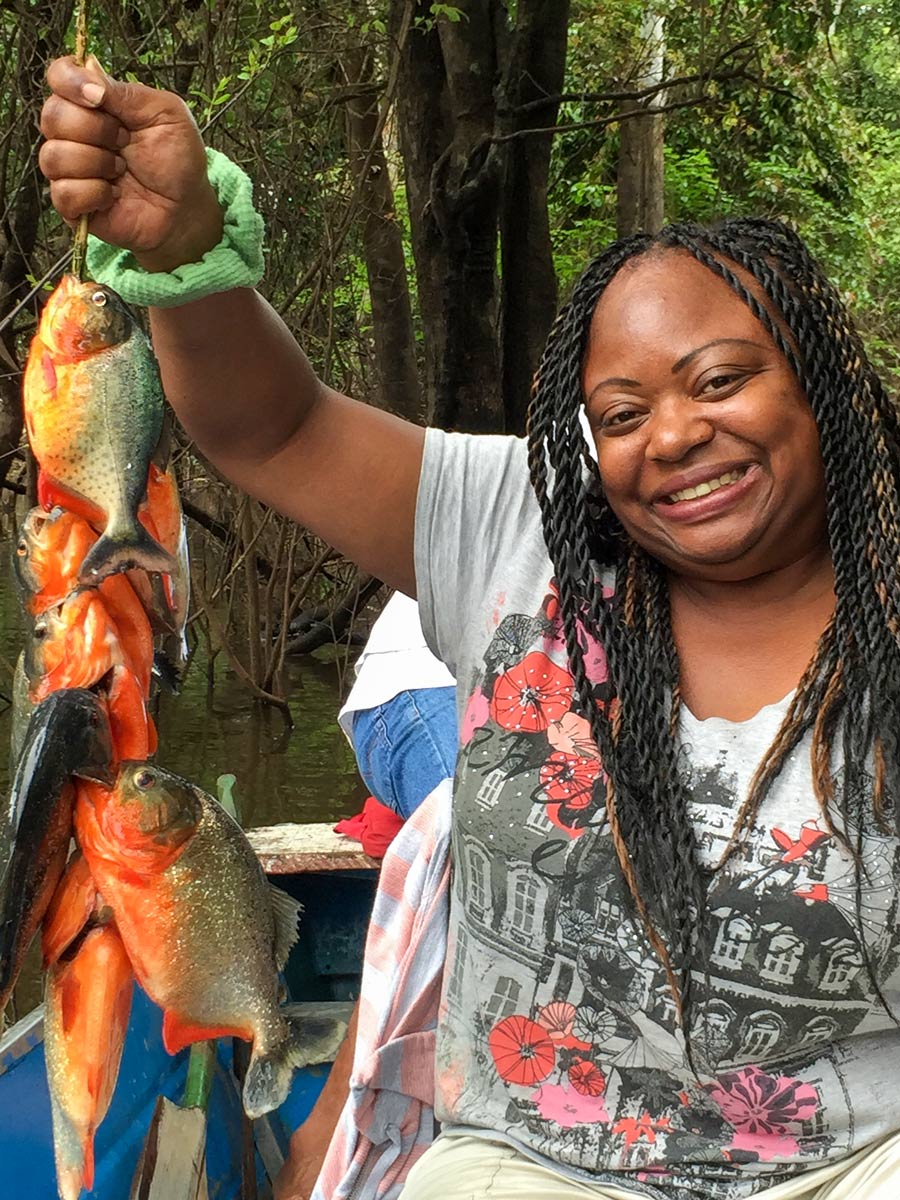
72,123
72,198
136,106
72,160
81,85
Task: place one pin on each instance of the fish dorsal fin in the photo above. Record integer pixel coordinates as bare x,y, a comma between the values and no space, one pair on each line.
286,911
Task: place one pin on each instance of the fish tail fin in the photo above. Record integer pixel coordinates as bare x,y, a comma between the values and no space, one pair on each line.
73,1152
87,1171
310,1037
131,547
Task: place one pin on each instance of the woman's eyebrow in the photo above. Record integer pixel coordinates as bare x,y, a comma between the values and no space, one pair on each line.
692,354
615,381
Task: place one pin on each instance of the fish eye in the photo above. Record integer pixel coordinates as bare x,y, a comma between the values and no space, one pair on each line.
40,631
99,298
22,548
144,780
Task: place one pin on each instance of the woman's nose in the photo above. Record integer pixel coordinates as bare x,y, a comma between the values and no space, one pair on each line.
676,427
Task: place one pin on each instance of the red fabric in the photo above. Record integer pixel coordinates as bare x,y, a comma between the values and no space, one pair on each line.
376,827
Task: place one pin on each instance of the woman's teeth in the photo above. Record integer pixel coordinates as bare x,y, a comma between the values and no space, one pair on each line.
703,489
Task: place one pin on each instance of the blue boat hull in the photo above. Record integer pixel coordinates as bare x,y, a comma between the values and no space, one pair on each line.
324,966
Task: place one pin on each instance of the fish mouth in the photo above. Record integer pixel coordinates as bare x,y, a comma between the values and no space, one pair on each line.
104,775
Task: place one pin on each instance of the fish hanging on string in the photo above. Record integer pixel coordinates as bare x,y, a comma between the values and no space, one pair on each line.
94,406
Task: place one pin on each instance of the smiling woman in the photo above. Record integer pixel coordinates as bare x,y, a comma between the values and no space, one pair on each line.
672,967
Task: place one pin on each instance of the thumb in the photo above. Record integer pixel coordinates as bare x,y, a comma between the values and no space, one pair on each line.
134,105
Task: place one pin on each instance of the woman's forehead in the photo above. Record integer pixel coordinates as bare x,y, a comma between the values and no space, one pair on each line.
668,299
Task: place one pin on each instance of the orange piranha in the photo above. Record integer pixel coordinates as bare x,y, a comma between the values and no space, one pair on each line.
87,1006
49,554
205,932
78,645
94,410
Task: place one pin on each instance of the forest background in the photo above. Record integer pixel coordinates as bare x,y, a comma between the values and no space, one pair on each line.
433,178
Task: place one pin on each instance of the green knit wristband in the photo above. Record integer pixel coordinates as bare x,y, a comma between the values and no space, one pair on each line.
237,261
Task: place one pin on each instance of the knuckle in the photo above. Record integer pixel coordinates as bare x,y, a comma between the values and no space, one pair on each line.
63,200
48,159
73,197
50,116
63,76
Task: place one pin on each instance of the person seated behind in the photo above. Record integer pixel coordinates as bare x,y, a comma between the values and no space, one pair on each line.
400,715
400,718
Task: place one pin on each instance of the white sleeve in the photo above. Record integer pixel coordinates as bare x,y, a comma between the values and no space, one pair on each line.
476,512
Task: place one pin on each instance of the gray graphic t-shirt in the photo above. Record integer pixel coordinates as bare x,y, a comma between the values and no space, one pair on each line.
558,1030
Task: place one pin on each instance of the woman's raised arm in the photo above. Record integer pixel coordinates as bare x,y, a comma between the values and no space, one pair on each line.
132,156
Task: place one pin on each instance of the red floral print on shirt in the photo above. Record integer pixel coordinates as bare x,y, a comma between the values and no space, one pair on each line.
569,779
586,1078
531,695
523,1053
764,1110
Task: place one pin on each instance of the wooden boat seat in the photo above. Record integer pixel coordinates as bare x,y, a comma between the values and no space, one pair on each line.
300,849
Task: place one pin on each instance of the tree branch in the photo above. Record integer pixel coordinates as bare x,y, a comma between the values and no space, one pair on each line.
630,114
713,75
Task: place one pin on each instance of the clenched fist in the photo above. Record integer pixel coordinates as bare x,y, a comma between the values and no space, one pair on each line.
131,156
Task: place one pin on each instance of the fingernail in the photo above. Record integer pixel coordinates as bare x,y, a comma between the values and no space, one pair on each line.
120,164
116,191
123,137
92,93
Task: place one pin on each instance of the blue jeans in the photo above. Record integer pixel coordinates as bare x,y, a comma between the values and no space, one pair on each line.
404,748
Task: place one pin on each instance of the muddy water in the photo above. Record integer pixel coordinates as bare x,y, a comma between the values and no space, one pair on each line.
215,727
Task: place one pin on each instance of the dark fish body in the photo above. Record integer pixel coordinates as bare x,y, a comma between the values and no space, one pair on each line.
68,735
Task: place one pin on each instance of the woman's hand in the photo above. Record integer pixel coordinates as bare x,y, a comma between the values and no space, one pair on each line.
131,156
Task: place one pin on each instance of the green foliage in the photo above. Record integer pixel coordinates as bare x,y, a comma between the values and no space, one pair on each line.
808,130
447,12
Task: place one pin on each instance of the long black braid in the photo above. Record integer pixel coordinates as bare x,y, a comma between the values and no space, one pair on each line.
851,687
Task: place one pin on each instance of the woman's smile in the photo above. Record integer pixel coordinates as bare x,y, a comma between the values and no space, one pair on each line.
708,493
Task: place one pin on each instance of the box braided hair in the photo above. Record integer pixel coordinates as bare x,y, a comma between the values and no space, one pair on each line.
850,690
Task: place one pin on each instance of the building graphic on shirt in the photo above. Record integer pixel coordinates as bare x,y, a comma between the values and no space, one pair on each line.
773,925
568,1007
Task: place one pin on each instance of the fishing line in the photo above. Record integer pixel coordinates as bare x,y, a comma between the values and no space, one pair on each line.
79,245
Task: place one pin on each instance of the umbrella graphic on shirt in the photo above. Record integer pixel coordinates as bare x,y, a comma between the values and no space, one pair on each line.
873,904
809,839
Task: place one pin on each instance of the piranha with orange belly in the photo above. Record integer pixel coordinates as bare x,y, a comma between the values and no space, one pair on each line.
205,933
86,1008
94,410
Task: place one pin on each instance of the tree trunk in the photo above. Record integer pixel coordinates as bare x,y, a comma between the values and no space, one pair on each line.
446,119
424,134
640,203
529,294
395,343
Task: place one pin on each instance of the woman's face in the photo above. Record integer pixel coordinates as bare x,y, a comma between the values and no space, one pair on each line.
706,444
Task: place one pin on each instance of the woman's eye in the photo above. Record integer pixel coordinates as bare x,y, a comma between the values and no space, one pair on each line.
716,383
621,416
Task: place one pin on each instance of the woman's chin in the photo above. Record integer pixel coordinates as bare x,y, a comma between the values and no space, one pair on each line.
737,553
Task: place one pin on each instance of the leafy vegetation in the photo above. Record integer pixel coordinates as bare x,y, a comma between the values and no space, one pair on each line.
420,119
